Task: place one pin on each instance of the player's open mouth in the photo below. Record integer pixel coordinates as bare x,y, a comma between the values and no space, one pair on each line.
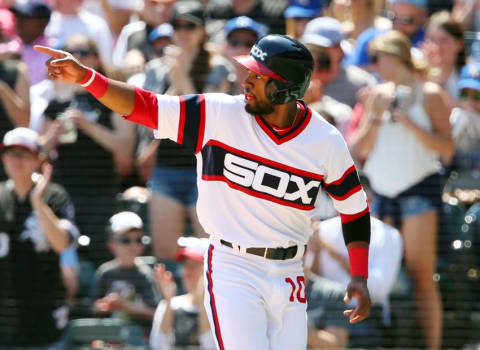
249,97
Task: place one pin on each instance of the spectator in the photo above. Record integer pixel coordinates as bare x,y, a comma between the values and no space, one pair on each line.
32,19
299,13
360,56
116,13
14,94
444,48
409,17
465,120
68,19
181,320
241,32
402,145
364,14
337,9
80,125
268,12
160,38
335,112
70,267
186,68
7,18
36,227
342,83
467,13
134,64
135,35
124,287
326,330
331,263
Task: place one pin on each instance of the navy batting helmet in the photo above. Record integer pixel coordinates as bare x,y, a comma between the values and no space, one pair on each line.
287,61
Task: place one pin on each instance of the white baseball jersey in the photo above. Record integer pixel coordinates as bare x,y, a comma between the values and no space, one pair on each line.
258,187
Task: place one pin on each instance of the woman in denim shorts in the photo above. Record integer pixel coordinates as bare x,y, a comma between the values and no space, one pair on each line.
403,137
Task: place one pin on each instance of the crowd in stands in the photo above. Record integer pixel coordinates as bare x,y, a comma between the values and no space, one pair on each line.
98,218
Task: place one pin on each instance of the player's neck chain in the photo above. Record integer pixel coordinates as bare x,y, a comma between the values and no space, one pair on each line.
295,118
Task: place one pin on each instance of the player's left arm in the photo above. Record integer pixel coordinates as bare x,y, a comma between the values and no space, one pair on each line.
343,186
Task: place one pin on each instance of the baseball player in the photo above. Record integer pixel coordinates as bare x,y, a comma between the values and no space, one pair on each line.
262,159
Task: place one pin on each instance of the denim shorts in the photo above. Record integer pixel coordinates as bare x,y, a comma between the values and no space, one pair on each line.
408,206
176,183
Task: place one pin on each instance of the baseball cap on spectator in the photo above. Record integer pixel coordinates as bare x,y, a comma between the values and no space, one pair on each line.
22,137
244,22
34,9
192,248
191,11
323,31
303,9
123,222
164,30
470,77
419,3
360,55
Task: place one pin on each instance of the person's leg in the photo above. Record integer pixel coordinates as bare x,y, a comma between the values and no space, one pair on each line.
197,228
420,241
167,212
189,199
167,223
233,301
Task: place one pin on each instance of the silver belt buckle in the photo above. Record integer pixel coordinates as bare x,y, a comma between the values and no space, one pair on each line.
265,254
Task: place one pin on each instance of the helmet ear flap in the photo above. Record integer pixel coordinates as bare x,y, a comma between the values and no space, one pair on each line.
271,91
277,92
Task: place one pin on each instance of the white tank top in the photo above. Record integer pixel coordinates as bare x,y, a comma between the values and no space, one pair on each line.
399,159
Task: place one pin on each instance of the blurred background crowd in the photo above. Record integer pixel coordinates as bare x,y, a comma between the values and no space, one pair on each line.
100,246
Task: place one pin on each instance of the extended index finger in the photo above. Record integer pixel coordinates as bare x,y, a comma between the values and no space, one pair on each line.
49,51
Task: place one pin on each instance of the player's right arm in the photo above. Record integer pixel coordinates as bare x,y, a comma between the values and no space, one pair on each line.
62,66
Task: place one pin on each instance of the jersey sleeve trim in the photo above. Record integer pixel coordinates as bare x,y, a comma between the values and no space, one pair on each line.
145,111
346,218
347,185
358,229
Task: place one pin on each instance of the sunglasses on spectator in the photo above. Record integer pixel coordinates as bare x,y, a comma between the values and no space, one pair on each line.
82,52
187,26
467,94
374,59
402,20
126,240
237,42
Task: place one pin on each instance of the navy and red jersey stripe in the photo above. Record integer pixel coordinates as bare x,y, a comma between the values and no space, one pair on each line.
191,129
213,169
347,185
356,227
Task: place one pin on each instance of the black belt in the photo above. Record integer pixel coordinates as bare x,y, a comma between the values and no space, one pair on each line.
270,253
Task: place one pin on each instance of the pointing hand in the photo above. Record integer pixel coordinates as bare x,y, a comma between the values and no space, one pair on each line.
62,65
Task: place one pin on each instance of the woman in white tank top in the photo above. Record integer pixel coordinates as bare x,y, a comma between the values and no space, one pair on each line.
404,134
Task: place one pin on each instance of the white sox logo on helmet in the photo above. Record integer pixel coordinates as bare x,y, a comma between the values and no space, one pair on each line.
257,52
